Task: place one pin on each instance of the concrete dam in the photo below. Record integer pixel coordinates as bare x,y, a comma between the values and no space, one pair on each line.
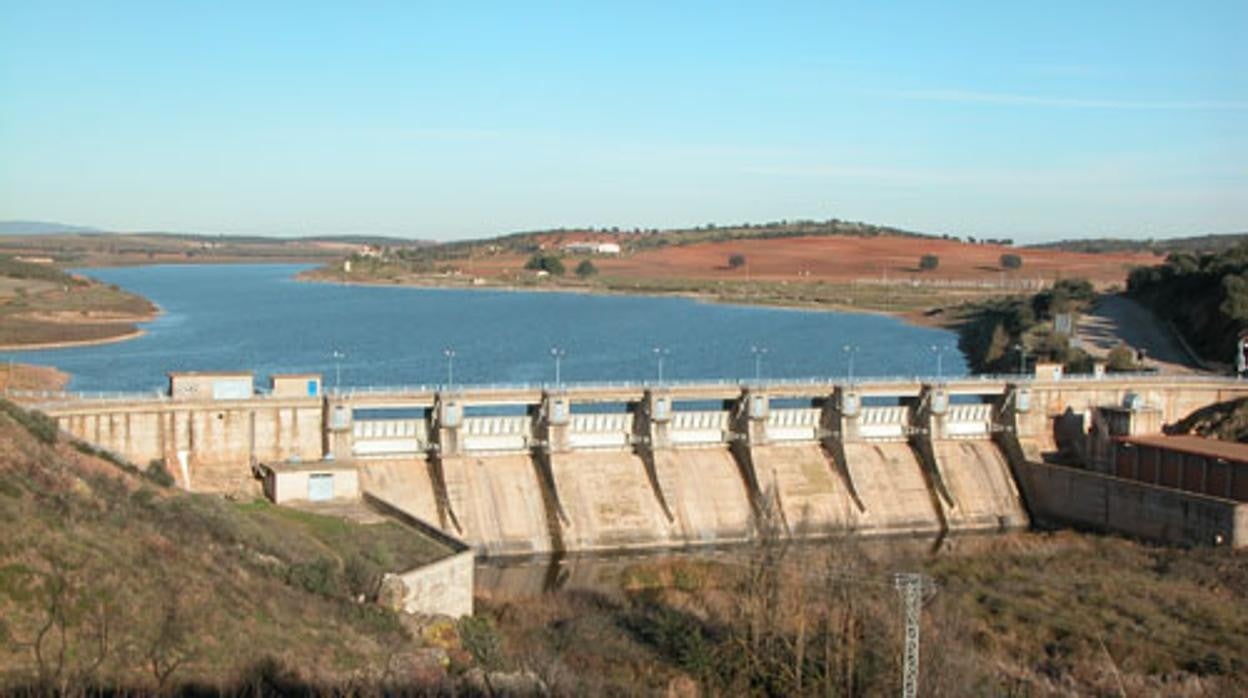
531,470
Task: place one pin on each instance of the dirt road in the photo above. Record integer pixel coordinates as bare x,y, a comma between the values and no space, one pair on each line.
1117,319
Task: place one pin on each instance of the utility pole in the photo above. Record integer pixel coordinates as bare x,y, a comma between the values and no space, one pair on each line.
914,587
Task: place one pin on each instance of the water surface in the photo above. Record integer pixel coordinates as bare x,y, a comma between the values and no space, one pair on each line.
257,317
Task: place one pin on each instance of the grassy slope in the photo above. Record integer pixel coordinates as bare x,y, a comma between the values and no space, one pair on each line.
216,584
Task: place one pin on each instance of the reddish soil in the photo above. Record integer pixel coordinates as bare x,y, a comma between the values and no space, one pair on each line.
846,259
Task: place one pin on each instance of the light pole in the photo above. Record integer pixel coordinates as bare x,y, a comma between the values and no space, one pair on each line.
659,353
558,353
449,353
338,357
758,353
940,355
850,350
1022,358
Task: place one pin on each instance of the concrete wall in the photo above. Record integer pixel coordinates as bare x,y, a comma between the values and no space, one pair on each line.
1066,495
216,439
443,587
440,588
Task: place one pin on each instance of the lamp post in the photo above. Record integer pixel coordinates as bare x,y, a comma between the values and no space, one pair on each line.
449,353
1022,358
659,353
850,350
940,355
338,357
558,353
758,353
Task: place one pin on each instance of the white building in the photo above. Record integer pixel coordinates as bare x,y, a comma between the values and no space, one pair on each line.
591,247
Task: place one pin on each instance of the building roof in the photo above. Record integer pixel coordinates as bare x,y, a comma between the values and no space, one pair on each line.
1195,445
214,374
313,466
295,375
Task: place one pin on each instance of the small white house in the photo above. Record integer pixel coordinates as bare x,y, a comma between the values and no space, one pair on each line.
321,481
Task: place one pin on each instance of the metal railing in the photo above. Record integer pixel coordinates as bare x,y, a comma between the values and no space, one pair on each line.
771,384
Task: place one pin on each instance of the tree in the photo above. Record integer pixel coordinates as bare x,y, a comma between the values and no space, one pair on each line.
736,260
1011,261
928,262
545,262
586,269
1121,358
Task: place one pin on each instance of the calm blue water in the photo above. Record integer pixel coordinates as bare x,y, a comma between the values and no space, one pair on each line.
257,317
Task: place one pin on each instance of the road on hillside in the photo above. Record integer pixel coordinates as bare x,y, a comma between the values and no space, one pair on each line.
1116,319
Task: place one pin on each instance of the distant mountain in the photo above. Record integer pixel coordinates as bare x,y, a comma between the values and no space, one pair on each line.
1196,243
377,240
42,228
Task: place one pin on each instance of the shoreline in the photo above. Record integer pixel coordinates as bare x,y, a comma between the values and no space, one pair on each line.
71,343
908,317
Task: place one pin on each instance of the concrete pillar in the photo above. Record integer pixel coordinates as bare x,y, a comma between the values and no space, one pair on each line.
749,417
927,424
748,428
831,438
448,419
652,418
843,413
552,421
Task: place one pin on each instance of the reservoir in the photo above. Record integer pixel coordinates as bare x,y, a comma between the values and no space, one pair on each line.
258,317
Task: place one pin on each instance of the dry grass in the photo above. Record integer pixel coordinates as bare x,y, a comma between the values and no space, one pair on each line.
1023,614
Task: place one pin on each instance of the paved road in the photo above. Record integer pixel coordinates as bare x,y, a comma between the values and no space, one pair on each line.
1118,320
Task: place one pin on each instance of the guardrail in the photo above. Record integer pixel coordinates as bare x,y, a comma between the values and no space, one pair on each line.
771,384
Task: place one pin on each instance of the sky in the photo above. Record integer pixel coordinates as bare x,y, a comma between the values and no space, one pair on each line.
1032,121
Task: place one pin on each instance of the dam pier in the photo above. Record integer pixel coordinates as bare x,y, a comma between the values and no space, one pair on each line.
520,470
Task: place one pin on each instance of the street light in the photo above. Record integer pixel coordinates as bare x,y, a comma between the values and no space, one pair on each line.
659,353
850,350
939,350
338,357
449,353
1022,358
758,362
558,353
940,355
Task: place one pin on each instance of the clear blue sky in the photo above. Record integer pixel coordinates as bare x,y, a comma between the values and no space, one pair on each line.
1028,120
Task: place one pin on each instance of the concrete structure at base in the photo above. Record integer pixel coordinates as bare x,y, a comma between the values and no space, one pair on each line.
524,470
322,481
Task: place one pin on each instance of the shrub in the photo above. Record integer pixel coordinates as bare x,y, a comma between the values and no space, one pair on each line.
1011,261
362,577
1121,358
158,473
481,639
736,261
545,262
319,576
40,425
928,262
586,269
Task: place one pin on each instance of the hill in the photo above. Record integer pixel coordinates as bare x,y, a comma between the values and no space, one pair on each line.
821,264
1198,244
111,580
1204,296
42,228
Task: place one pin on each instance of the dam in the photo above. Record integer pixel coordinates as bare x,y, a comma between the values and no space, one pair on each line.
522,470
